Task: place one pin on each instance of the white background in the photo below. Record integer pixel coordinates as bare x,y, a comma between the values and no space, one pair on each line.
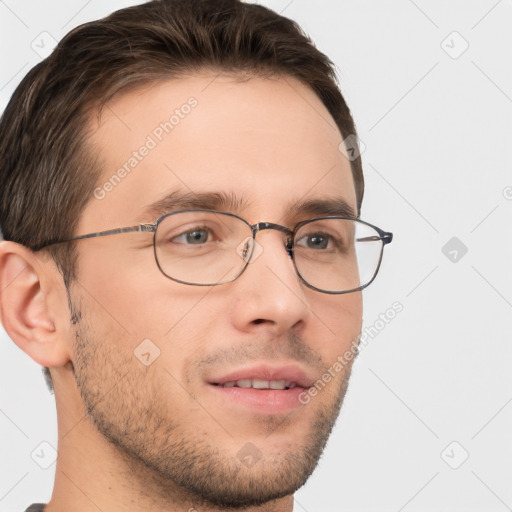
437,163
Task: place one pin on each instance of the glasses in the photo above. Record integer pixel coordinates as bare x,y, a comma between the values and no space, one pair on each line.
207,247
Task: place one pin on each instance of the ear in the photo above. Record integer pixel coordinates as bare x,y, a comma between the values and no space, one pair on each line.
33,304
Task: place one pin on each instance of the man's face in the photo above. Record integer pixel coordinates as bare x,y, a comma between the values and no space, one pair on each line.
270,144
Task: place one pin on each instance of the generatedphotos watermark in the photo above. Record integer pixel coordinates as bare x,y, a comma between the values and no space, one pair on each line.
367,334
152,140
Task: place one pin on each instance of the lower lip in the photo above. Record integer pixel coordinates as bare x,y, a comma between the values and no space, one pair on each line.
264,401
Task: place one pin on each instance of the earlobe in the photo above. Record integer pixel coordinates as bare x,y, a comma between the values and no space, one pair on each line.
27,313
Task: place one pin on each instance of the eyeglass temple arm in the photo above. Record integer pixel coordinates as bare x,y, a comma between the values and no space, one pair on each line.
151,228
386,238
140,227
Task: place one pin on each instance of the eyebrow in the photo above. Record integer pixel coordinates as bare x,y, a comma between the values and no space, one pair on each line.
223,201
189,200
336,206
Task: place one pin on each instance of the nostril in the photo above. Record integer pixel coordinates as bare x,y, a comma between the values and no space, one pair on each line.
258,321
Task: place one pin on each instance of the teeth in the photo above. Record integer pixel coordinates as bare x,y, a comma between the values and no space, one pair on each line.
260,384
277,384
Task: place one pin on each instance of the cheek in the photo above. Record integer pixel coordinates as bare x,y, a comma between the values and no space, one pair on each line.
342,311
341,317
352,309
130,302
127,291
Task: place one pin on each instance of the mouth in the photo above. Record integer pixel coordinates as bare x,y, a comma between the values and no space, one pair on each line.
263,389
258,384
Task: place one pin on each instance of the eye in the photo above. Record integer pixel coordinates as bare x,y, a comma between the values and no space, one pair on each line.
194,237
314,241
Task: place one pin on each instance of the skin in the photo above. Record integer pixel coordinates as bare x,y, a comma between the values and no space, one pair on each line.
126,430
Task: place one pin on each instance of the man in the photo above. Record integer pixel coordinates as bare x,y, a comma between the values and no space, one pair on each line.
183,254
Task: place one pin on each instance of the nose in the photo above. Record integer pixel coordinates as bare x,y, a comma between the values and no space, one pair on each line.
269,294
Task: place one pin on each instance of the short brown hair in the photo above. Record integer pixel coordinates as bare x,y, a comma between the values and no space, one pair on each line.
47,170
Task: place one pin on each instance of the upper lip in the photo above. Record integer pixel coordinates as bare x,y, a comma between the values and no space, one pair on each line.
287,372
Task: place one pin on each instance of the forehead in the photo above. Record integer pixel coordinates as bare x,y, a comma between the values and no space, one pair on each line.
270,142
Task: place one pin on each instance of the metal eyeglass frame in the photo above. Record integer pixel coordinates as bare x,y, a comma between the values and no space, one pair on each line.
384,236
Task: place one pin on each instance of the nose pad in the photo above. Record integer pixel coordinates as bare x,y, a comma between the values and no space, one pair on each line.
288,246
244,249
249,250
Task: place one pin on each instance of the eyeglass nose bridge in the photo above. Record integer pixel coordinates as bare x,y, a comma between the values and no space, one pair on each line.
261,226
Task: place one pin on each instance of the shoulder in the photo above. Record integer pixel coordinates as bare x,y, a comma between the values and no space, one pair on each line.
36,507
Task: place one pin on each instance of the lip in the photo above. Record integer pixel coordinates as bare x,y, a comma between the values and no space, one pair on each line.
262,401
288,372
